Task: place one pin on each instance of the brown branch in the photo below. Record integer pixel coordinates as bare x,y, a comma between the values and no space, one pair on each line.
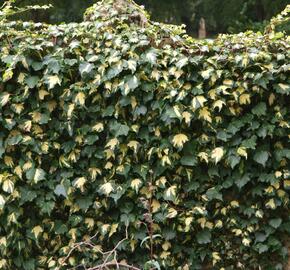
77,245
150,221
108,254
113,251
114,264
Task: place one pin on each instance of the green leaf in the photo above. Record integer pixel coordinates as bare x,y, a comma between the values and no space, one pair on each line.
242,181
2,149
203,237
206,73
275,223
14,140
188,161
132,82
47,207
282,88
32,81
60,228
120,130
114,71
213,193
60,190
262,248
250,143
233,160
91,139
260,237
261,157
260,109
26,195
84,203
35,175
182,62
86,68
29,264
151,56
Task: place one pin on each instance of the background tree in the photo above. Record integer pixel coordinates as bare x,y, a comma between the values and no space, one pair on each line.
221,16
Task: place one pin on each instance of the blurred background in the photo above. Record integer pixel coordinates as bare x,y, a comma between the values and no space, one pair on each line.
219,16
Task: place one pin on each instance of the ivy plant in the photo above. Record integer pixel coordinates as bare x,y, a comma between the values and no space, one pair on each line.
119,124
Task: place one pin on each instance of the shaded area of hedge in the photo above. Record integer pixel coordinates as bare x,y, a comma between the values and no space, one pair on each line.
120,122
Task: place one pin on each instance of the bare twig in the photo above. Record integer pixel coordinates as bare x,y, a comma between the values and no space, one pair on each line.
150,219
77,245
113,251
108,254
114,264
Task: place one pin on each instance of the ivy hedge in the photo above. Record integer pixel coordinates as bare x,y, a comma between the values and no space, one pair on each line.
122,124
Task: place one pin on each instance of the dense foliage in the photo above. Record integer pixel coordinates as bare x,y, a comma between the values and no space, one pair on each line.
120,124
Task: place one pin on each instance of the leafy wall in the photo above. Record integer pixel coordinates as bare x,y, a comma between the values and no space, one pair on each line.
119,124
